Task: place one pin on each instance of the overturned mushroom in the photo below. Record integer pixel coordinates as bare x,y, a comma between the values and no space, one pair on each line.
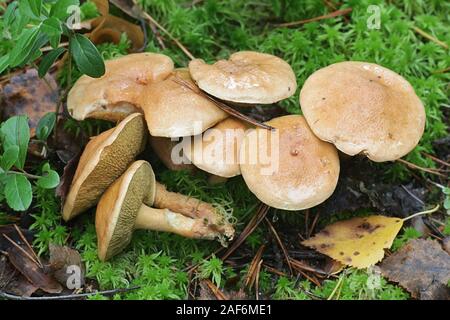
247,77
115,95
173,110
217,150
104,159
289,168
126,206
363,108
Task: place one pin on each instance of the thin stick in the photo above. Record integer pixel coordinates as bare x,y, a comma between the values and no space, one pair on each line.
436,159
338,284
216,291
414,166
422,213
251,226
69,296
280,243
249,280
313,225
430,37
21,249
28,245
258,270
160,27
275,271
326,16
231,111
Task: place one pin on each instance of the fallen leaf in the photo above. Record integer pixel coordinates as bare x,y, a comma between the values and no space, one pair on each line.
61,259
358,242
422,268
32,272
13,282
102,6
66,179
26,93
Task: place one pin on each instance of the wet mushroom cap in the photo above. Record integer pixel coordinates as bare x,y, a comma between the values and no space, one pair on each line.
118,209
363,108
246,77
289,168
104,159
217,150
115,95
173,110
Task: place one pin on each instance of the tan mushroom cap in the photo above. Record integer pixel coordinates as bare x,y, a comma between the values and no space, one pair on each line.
217,150
247,77
172,110
291,168
104,159
119,206
363,108
115,95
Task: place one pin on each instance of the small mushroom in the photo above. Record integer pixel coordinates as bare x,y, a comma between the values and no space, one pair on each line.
289,168
166,150
363,108
174,110
126,206
104,159
247,77
115,95
217,150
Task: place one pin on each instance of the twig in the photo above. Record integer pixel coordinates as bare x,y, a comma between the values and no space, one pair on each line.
21,249
313,225
412,195
231,111
69,296
275,271
436,159
326,16
280,243
441,70
258,270
251,226
216,291
414,166
160,27
28,245
250,278
430,37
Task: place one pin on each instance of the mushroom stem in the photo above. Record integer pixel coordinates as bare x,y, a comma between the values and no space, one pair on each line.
192,208
168,221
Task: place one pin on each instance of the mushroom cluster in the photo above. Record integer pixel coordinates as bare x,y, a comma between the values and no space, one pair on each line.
290,162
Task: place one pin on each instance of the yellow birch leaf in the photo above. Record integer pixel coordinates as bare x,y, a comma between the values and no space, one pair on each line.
358,242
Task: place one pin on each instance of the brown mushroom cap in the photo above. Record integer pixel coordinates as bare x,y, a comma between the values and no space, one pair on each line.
217,150
247,77
115,95
363,108
118,209
172,110
307,170
104,159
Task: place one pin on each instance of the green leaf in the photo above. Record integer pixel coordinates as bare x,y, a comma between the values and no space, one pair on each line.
4,62
51,27
60,8
9,157
23,47
86,56
50,179
46,62
31,8
16,132
45,126
9,15
18,192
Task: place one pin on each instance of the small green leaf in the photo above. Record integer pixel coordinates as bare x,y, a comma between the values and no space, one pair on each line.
60,9
16,132
9,15
46,62
86,56
18,192
31,8
50,178
24,46
9,157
